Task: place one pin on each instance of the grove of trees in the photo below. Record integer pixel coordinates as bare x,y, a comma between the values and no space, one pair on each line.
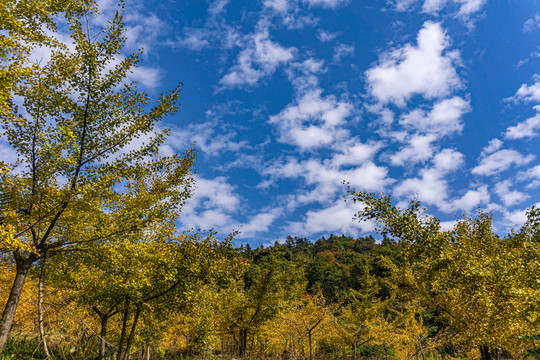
92,265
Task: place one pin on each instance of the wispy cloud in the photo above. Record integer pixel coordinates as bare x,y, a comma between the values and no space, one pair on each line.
341,51
526,129
532,24
499,161
259,59
460,8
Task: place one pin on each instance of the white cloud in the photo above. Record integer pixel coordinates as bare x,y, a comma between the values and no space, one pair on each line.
351,162
471,199
433,6
326,3
466,8
217,7
194,39
516,218
526,129
325,36
500,161
443,119
341,51
259,59
528,93
334,219
213,205
532,174
143,30
431,187
404,5
493,145
208,137
532,24
418,149
259,223
509,197
281,6
312,120
448,160
469,7
426,69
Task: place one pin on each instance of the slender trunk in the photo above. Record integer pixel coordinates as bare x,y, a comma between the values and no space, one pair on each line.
132,333
147,351
243,341
486,353
120,354
103,338
23,265
41,295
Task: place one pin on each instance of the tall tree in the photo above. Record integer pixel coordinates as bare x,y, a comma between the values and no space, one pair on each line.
81,175
475,281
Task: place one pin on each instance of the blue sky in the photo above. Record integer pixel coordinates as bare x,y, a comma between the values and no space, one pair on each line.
285,99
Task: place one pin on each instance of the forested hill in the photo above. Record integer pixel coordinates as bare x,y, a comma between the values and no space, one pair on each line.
334,265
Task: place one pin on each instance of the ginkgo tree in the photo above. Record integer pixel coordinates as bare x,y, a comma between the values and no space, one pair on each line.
81,173
480,285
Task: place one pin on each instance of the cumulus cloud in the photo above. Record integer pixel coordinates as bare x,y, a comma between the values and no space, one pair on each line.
443,119
509,197
526,129
471,199
418,149
499,161
448,160
313,120
528,93
336,218
259,223
426,69
351,162
431,187
212,206
259,59
532,175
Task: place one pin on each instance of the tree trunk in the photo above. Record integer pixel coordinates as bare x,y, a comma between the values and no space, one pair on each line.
132,333
22,267
103,336
147,351
243,341
41,295
488,353
120,354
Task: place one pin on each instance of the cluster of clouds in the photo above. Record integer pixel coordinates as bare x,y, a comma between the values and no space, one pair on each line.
465,8
415,98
